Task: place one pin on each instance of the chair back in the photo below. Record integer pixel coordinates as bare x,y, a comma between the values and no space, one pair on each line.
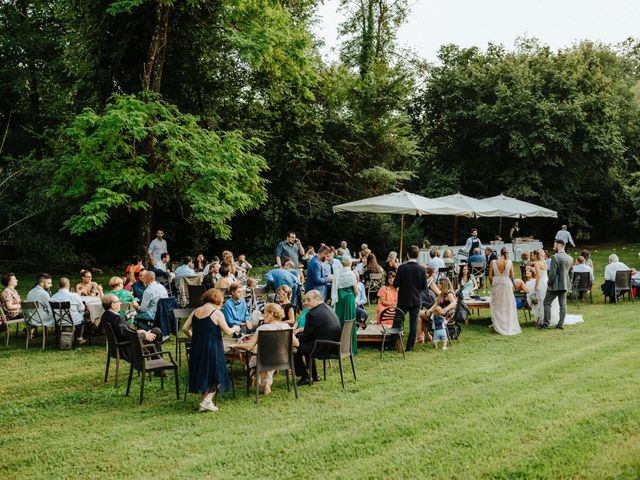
62,313
137,360
477,269
623,280
3,317
31,312
584,281
274,350
112,343
373,280
346,338
390,314
195,293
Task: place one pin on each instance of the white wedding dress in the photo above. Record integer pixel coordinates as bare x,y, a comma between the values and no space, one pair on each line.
537,309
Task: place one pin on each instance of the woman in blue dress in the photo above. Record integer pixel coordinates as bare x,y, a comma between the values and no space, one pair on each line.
207,366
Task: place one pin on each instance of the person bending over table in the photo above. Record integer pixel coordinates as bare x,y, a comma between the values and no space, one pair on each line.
273,320
321,323
111,316
207,365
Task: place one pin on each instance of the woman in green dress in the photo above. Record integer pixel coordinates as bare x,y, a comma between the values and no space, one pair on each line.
343,297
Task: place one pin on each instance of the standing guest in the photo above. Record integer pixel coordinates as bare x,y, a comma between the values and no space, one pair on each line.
87,287
362,263
199,263
40,293
274,320
284,276
10,297
343,297
558,284
429,297
236,311
316,277
243,264
283,295
609,285
473,242
226,279
77,307
489,256
503,303
157,247
476,257
587,260
410,281
435,261
212,276
467,281
290,248
306,258
207,365
392,263
185,270
514,232
387,296
111,316
343,245
153,292
361,301
439,329
321,323
564,235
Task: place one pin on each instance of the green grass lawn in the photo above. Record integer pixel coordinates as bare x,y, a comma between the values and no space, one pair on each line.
544,404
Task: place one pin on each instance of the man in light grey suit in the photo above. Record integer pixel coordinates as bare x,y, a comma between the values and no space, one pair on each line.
558,284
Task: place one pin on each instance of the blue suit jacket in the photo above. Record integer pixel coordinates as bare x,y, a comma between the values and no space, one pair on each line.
316,278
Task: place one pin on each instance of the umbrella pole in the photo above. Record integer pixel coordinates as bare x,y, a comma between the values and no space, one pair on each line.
500,228
455,230
401,235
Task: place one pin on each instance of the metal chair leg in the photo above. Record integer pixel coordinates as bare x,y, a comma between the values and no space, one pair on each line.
142,387
353,368
129,382
341,373
175,374
106,372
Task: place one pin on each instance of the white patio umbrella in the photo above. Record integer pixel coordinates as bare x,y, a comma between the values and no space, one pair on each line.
519,208
480,208
402,203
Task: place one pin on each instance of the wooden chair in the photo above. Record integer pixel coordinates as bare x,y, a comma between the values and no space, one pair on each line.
397,316
372,283
113,351
340,350
146,359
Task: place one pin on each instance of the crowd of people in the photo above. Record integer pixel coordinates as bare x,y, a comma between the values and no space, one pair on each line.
315,292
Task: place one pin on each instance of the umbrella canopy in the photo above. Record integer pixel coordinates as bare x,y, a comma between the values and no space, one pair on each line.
480,208
519,208
403,203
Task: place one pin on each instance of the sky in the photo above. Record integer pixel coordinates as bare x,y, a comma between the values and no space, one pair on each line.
557,23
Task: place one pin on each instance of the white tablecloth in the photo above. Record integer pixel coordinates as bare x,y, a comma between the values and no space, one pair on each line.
94,307
515,249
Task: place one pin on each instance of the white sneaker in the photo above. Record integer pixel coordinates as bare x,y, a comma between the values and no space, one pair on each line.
444,349
207,406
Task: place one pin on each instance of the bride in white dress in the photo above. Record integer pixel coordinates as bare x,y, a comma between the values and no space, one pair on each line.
503,303
537,279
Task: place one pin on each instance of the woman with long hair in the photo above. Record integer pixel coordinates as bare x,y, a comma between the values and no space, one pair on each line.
467,281
504,315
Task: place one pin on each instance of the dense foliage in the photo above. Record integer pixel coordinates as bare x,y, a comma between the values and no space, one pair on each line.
220,122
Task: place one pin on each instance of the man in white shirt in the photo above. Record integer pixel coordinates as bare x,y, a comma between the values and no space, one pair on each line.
564,235
185,270
343,246
435,261
583,267
152,294
157,247
77,307
609,285
40,293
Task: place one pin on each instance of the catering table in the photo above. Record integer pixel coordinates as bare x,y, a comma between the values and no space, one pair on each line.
515,249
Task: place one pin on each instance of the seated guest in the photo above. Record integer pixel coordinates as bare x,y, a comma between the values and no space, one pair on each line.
372,265
117,289
274,319
199,263
135,266
361,301
10,297
111,305
363,253
609,285
447,258
435,261
227,258
392,263
475,257
345,248
215,259
163,269
581,266
40,293
226,279
185,270
212,276
87,287
387,297
321,323
138,287
128,281
77,307
236,311
153,292
283,295
467,281
524,258
587,259
243,264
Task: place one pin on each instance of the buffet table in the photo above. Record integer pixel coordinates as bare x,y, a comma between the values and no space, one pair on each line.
515,249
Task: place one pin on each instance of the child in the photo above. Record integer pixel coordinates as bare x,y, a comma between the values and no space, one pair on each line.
439,328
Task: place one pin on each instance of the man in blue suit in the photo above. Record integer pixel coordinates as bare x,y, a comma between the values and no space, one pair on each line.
317,279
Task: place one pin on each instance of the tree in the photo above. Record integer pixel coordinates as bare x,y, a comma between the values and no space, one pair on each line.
102,166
